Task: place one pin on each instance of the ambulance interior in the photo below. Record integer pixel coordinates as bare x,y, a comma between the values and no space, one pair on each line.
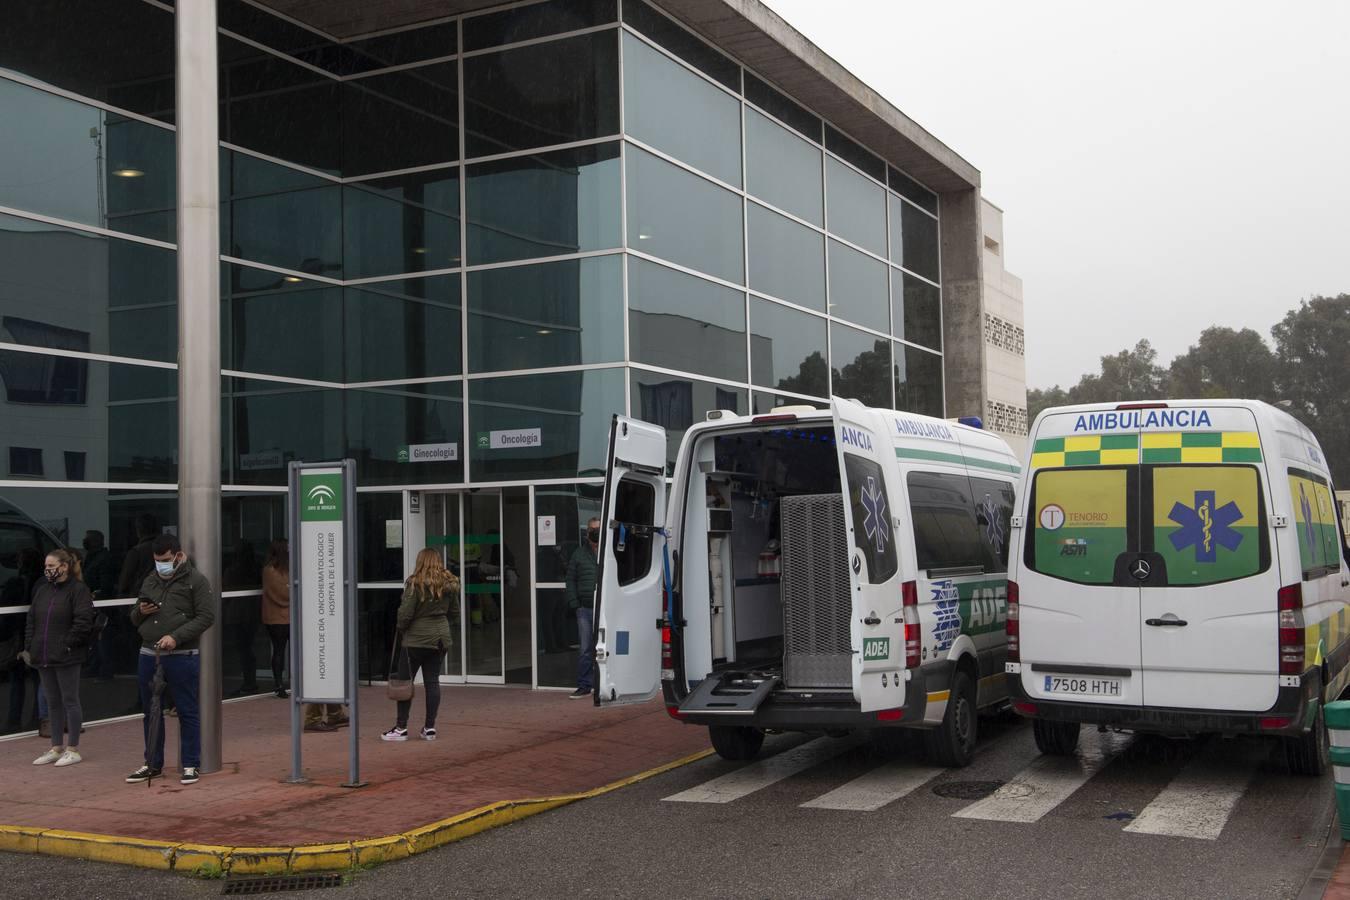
743,485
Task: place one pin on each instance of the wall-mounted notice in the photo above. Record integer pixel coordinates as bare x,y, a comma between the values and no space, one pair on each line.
548,531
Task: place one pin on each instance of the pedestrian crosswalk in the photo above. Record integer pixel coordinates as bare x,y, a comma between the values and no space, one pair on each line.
1196,803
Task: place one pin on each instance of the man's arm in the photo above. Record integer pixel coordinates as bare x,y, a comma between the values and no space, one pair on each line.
571,581
203,612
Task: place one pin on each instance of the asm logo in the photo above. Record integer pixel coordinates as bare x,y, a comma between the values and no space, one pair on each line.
855,437
876,648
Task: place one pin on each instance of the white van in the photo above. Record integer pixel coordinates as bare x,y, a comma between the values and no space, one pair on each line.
1177,568
814,570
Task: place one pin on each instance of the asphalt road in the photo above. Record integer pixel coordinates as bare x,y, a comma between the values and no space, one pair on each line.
1128,817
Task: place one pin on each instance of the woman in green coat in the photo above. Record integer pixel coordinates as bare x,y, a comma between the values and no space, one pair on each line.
430,600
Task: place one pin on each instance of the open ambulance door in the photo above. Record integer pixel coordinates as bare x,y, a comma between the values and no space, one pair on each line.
876,626
630,578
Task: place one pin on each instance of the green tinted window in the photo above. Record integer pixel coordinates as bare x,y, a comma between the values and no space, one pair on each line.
1081,523
1319,545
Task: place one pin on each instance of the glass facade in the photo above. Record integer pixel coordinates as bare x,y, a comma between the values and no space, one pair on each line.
494,232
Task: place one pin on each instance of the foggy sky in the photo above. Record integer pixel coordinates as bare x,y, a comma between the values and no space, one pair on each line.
1162,166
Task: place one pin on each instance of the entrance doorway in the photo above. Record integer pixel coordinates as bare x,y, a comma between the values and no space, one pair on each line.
483,537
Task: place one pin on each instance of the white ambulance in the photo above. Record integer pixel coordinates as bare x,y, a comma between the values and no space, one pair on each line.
812,570
1177,568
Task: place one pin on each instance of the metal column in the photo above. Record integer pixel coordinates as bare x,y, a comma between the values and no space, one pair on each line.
199,331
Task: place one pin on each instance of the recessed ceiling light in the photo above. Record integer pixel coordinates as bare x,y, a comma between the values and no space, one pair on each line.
644,237
544,331
127,172
292,279
419,250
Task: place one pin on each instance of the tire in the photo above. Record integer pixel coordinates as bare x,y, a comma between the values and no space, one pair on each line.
952,744
1307,754
736,742
1055,738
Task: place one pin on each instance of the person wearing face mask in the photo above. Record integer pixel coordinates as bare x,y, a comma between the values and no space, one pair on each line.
56,639
176,605
581,570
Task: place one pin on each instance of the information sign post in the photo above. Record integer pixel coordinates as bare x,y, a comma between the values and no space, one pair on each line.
322,510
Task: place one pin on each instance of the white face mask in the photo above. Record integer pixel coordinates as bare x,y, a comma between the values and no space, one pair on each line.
165,568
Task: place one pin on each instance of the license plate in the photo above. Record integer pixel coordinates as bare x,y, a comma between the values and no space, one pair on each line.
1082,685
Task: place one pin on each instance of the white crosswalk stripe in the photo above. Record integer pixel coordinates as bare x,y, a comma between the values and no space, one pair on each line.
1043,785
759,775
878,787
1198,802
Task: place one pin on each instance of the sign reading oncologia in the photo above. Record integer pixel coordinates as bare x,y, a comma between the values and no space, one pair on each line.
512,439
322,561
1137,419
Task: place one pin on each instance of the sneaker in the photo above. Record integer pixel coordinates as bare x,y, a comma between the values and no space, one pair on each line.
144,773
395,734
321,726
428,734
579,693
190,776
50,756
69,758
44,729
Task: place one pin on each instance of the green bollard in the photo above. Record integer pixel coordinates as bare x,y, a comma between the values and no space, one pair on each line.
1338,731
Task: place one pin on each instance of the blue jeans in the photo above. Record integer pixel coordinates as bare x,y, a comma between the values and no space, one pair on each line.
181,672
586,653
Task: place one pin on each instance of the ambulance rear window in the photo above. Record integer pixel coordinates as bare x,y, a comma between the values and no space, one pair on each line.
1081,523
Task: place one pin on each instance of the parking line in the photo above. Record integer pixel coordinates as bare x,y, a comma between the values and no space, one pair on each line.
1198,802
1043,785
758,775
876,788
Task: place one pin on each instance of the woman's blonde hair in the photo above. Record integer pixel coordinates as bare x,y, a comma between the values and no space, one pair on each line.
71,559
430,577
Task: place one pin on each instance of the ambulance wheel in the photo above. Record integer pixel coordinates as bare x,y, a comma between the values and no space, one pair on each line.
1055,738
952,743
736,742
1307,754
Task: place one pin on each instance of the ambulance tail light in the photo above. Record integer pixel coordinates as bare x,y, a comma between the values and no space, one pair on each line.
1293,652
909,601
890,715
1012,627
1141,406
1025,708
667,656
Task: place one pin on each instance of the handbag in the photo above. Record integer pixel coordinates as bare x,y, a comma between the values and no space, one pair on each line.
399,689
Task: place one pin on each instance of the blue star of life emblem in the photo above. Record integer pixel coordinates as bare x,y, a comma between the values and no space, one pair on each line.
1204,527
874,519
993,523
1305,506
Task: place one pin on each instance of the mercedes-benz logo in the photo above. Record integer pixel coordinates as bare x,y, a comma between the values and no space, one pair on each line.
1140,570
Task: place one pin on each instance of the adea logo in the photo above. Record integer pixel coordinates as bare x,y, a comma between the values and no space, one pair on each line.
876,648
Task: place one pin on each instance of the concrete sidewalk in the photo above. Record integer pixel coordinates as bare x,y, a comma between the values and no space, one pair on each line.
496,745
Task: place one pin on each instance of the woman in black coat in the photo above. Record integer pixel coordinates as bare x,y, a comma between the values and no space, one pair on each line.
60,624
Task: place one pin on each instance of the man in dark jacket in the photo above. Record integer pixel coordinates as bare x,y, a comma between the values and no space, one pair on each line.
139,561
581,570
176,605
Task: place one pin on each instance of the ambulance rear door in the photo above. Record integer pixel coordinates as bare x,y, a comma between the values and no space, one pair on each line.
628,597
876,626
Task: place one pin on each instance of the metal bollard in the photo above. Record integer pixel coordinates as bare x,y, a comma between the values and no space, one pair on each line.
1338,730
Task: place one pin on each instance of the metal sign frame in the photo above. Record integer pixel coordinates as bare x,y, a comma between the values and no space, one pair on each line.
345,522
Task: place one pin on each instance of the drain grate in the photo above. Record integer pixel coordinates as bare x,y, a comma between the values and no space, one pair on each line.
966,790
280,884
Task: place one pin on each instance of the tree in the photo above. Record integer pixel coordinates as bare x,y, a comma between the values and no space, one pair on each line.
1223,364
1038,400
1128,375
1312,350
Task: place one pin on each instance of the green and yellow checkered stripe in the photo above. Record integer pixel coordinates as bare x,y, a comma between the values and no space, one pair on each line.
1202,447
1085,450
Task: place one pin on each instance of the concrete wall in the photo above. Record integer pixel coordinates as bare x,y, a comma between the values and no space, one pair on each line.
963,342
1004,336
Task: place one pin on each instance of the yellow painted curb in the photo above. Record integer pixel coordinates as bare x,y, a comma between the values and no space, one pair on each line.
19,838
140,852
234,861
376,851
200,859
322,858
259,860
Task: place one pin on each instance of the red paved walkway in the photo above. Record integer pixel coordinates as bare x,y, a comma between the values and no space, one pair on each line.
495,744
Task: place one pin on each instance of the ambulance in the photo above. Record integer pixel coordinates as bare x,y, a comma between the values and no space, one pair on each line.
835,570
1177,567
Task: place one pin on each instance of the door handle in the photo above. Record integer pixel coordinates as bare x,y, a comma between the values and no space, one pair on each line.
1179,623
871,620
